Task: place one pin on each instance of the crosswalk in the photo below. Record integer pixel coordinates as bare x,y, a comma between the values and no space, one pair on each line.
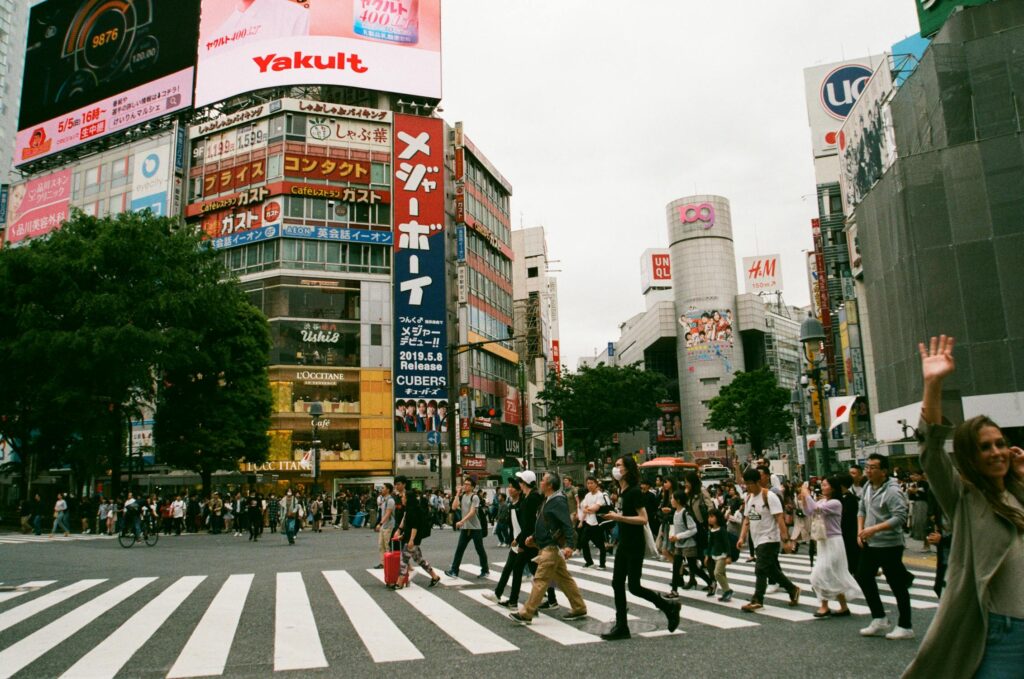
309,607
45,538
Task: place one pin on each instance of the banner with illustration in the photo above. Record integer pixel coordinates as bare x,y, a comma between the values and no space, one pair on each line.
709,333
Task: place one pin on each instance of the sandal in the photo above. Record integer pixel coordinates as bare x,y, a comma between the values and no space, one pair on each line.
434,581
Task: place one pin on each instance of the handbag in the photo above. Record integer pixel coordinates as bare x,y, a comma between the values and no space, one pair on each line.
818,528
650,547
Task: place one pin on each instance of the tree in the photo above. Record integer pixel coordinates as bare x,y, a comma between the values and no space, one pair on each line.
752,408
92,316
213,407
596,403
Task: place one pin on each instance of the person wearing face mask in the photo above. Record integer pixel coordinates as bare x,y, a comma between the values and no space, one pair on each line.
629,556
290,509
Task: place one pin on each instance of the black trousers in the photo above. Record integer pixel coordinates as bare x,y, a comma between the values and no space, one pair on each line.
514,568
596,535
629,567
890,560
465,535
767,570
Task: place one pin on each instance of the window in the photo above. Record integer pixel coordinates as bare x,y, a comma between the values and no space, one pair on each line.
835,203
295,126
119,172
532,272
376,338
92,180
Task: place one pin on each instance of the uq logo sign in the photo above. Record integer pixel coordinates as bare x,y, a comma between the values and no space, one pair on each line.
699,212
842,88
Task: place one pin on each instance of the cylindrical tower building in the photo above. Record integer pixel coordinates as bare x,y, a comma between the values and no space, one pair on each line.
704,280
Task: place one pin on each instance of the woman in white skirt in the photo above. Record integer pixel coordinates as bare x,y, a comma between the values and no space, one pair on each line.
830,578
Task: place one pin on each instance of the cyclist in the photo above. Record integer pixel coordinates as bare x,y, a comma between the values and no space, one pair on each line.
133,515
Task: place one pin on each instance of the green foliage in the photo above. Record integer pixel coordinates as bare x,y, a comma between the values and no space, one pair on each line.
596,403
753,408
92,318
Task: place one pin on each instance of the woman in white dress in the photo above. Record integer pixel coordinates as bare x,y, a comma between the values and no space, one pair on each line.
830,578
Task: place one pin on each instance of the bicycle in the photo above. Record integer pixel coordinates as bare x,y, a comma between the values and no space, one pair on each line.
127,538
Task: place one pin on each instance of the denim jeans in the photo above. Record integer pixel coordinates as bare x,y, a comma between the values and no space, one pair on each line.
291,526
1004,648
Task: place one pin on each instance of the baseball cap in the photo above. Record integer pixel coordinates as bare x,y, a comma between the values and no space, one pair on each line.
526,476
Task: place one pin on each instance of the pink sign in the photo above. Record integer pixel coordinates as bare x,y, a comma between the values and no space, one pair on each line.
145,102
703,212
38,206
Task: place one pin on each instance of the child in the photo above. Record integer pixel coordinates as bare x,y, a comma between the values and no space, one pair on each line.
720,549
683,539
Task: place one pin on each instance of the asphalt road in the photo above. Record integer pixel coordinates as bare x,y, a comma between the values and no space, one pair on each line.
353,626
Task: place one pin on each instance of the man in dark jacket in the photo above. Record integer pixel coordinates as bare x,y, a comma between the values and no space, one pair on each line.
552,534
850,503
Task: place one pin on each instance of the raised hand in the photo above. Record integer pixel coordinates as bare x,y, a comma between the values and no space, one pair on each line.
937,358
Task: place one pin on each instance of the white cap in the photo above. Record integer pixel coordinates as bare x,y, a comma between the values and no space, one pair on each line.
526,476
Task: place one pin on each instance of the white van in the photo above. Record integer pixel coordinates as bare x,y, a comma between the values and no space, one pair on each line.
714,474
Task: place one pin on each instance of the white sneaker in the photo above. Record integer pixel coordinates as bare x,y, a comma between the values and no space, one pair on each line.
900,633
877,628
772,589
490,596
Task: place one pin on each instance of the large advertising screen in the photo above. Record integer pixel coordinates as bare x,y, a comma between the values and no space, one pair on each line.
392,46
867,140
93,67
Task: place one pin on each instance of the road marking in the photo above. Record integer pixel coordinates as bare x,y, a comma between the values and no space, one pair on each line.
597,611
106,659
30,608
17,656
380,635
296,640
465,631
688,613
25,589
206,653
553,629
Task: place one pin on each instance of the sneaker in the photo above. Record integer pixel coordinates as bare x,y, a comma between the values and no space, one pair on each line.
449,573
602,567
575,615
616,633
508,603
521,619
877,628
492,597
900,633
726,596
751,607
484,574
794,598
547,605
772,589
588,565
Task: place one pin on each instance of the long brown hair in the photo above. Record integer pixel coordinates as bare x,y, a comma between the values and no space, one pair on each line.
965,449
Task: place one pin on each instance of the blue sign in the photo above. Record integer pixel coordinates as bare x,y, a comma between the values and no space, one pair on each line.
611,349
150,165
246,237
905,56
179,149
157,204
460,243
434,438
4,189
333,233
841,89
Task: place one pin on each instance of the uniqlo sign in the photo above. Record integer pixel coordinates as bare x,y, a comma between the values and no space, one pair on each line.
421,334
661,267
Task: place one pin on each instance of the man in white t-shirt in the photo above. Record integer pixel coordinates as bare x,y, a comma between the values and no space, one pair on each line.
258,21
592,531
763,519
178,514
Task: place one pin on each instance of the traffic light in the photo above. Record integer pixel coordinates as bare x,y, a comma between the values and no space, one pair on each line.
489,412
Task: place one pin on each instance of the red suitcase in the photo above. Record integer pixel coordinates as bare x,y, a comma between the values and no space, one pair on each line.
392,565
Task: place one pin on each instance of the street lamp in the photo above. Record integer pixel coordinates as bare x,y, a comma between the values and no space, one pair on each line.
316,411
812,334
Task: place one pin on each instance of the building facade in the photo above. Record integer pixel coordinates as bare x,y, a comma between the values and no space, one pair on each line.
13,29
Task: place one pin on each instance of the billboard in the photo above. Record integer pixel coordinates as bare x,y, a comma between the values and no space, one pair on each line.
932,14
762,274
151,180
867,140
392,46
831,91
38,206
709,334
421,328
670,424
421,415
93,68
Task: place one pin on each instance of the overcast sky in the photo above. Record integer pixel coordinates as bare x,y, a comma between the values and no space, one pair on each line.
600,113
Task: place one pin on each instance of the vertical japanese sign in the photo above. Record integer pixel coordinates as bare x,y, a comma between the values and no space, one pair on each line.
823,300
421,334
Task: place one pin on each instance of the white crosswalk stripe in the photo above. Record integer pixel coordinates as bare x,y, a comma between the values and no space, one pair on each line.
58,538
386,623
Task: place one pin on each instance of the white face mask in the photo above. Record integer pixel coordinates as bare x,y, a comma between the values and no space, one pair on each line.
617,473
